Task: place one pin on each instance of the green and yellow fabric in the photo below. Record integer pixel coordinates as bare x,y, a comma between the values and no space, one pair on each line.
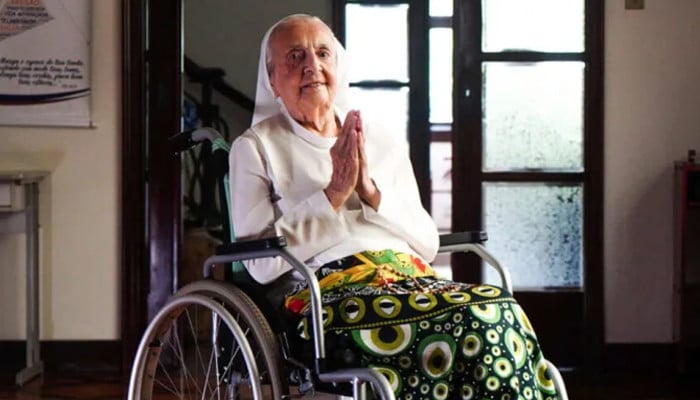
432,338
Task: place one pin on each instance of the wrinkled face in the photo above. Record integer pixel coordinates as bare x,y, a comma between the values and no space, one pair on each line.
303,66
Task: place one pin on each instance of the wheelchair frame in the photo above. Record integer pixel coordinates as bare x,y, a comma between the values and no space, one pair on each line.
223,300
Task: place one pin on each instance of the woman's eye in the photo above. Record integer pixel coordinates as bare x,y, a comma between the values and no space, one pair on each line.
295,56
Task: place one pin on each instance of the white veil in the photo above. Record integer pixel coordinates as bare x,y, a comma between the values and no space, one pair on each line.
266,105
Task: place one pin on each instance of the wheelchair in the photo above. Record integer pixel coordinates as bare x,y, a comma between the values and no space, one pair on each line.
221,339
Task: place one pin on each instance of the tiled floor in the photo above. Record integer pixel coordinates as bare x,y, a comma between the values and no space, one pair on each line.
95,387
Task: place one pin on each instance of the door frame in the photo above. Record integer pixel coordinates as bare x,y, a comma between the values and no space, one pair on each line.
150,172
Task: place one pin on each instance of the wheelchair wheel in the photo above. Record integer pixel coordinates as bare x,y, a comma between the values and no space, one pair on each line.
259,333
209,341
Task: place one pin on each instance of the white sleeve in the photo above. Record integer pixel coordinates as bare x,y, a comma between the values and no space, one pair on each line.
400,209
310,227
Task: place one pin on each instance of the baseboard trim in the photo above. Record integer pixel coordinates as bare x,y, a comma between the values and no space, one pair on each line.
657,358
106,355
65,355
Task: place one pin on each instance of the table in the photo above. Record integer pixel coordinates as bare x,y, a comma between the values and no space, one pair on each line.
19,213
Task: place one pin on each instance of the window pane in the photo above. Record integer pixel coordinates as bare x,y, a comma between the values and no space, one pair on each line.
441,75
440,8
533,116
377,42
441,178
388,107
537,25
535,231
441,166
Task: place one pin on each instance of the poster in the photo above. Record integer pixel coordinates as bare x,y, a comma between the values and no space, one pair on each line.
45,62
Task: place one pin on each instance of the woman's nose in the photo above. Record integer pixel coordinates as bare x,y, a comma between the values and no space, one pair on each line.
311,63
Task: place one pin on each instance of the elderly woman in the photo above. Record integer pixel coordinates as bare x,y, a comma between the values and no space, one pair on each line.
342,192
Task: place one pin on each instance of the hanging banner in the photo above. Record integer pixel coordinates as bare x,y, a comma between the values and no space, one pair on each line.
45,62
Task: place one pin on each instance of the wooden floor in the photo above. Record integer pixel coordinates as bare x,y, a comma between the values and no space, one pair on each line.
95,387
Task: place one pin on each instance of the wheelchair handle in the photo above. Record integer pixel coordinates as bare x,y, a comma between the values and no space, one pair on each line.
190,138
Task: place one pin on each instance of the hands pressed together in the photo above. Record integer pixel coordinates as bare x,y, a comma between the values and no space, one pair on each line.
350,166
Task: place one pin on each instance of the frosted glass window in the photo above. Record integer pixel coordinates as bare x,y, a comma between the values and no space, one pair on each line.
441,75
441,166
441,179
377,42
536,231
536,25
441,199
388,107
533,116
442,210
440,8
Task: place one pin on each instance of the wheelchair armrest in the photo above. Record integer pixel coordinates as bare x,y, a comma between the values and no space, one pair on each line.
276,247
472,241
463,237
278,242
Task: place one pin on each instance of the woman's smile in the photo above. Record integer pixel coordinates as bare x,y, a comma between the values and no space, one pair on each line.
312,86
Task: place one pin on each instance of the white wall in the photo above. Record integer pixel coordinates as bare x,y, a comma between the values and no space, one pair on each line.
228,33
78,211
652,117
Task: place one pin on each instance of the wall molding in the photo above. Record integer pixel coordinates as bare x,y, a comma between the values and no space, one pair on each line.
74,356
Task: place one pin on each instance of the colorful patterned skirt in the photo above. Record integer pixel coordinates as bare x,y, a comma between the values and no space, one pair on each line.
432,338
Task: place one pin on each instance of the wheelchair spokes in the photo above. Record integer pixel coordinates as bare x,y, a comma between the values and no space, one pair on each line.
188,363
200,346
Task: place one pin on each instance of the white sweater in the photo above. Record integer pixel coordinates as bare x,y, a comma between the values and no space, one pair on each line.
278,171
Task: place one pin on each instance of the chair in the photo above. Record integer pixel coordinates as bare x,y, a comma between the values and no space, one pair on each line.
219,339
